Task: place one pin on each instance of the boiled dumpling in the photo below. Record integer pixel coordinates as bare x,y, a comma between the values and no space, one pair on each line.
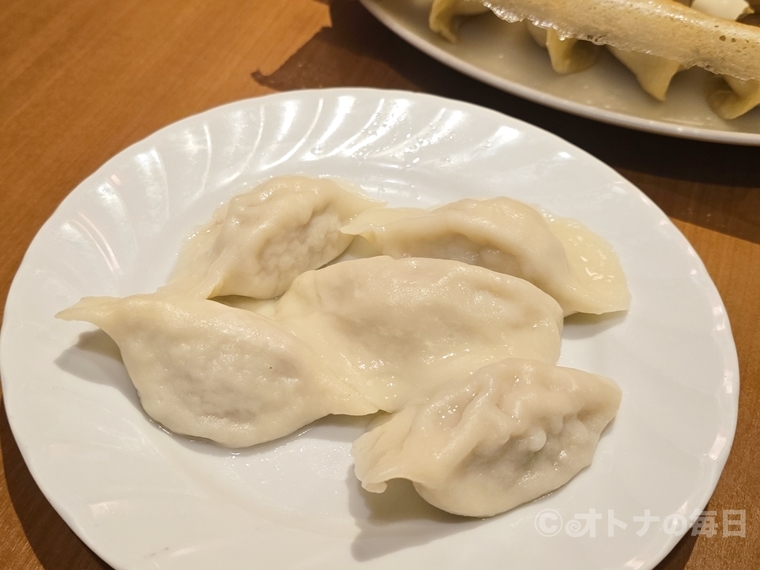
206,370
562,257
395,329
257,243
513,431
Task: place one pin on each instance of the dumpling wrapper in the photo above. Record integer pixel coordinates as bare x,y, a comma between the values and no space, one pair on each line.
206,370
560,256
732,97
653,73
567,55
445,15
396,329
512,432
258,242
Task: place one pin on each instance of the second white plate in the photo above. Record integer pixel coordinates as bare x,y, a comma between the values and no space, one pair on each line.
504,56
144,499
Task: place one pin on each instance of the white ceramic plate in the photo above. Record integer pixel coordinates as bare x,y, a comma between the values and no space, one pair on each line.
142,498
504,55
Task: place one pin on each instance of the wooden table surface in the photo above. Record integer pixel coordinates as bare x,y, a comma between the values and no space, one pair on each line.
82,79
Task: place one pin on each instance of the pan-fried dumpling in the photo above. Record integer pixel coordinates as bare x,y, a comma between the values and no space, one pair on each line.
560,256
733,97
445,15
567,55
664,28
730,97
396,329
653,72
207,370
257,243
513,431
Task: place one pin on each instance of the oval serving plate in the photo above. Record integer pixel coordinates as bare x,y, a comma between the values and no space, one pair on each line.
505,56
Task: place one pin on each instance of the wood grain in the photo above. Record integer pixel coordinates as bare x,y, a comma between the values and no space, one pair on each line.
82,79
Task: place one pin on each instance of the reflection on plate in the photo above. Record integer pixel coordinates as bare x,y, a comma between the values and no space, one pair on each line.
142,498
503,55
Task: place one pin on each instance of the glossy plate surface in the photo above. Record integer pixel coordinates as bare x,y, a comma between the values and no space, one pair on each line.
505,56
142,498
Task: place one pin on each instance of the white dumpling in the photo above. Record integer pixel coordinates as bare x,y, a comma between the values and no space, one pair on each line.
258,242
396,329
512,432
207,370
562,257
